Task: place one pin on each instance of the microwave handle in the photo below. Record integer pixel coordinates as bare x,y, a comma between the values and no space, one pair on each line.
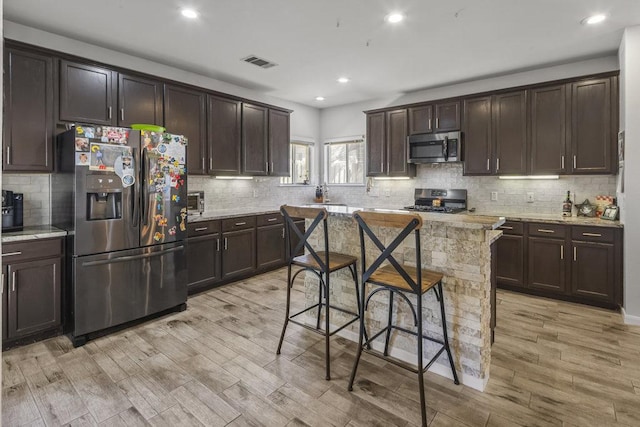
445,148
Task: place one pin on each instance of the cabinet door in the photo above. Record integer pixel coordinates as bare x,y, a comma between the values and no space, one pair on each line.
376,136
185,114
239,252
28,112
477,136
547,265
510,260
447,116
270,247
397,143
420,119
279,154
139,101
33,297
548,142
5,296
254,140
224,118
593,271
591,126
510,132
87,94
203,259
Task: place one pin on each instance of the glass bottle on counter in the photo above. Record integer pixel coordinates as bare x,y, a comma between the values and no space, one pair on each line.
567,205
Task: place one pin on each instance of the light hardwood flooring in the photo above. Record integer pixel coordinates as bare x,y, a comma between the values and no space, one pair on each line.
553,363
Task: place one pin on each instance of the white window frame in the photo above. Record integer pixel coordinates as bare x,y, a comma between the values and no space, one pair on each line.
310,144
345,140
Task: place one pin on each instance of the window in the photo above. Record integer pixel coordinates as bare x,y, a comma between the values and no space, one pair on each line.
300,163
344,161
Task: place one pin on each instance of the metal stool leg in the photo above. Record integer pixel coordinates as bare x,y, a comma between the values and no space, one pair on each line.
423,408
388,334
327,355
320,286
286,315
444,334
360,337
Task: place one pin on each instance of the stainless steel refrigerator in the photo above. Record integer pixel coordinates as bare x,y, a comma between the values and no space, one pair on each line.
121,195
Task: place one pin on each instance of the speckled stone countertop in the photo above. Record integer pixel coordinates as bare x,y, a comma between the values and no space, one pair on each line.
232,213
33,233
554,219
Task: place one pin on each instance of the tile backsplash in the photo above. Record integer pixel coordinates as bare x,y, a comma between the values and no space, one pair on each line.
266,192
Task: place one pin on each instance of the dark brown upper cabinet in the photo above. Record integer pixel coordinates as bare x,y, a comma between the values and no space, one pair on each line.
224,121
87,94
28,112
254,140
591,126
279,154
387,144
447,116
548,130
477,132
185,114
140,100
420,119
510,132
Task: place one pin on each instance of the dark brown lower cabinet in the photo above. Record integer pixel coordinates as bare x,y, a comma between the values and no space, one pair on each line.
203,257
32,299
510,254
547,265
238,252
593,270
270,247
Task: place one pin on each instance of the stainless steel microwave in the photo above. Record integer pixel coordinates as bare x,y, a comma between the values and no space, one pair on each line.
435,147
195,202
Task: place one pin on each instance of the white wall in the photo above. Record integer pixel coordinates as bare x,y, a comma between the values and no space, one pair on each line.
629,113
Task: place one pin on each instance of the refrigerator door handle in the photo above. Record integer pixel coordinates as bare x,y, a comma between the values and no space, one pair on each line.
134,200
144,187
132,257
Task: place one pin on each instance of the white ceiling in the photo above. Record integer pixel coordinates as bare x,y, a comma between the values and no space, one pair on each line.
316,41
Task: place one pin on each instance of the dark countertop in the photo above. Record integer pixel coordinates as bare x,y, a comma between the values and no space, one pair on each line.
231,213
33,233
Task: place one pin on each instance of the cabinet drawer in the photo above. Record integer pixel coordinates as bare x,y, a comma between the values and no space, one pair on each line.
547,230
593,234
32,249
202,227
238,223
269,219
512,227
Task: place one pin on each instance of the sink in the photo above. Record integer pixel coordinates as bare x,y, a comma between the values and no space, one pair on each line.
322,205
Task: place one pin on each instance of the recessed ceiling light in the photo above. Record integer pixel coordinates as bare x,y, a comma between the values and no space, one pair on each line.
319,98
594,19
343,80
394,18
189,13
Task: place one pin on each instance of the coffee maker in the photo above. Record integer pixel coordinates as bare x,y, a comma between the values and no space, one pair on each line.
12,211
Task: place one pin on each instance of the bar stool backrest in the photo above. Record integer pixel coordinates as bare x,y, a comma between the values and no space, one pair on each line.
318,215
407,223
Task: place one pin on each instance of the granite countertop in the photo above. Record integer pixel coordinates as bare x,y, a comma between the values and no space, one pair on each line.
33,233
231,213
555,219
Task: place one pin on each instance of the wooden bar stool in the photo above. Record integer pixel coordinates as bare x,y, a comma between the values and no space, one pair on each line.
320,263
398,279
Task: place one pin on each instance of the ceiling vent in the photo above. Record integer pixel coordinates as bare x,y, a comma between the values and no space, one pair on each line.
262,63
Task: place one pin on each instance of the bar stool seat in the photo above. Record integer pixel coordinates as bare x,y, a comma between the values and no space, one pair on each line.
389,276
320,263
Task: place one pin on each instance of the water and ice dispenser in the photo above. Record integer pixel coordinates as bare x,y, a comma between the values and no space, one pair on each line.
104,197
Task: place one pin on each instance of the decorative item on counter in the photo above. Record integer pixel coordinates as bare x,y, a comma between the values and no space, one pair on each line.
567,205
611,213
436,202
318,198
586,208
602,202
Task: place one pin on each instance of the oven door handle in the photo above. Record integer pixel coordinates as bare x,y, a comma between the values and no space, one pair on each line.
445,148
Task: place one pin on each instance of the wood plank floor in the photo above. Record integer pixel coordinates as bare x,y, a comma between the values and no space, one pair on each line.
553,364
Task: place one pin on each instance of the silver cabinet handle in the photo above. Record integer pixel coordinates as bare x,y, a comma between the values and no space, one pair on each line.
575,162
488,164
240,223
506,227
562,162
498,163
203,163
266,166
562,252
2,284
272,167
122,114
217,245
201,228
575,253
437,122
110,113
544,230
8,154
272,219
429,124
13,281
283,232
226,243
210,162
592,234
381,165
12,253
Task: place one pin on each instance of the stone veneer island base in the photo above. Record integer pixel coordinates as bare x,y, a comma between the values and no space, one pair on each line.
456,245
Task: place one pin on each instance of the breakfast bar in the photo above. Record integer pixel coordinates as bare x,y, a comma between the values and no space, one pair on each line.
459,247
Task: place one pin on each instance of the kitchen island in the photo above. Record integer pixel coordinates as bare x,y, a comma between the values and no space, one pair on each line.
458,246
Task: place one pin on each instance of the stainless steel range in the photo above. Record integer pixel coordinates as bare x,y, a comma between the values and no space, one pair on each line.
436,200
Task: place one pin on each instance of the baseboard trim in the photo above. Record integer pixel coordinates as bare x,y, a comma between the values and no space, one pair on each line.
469,381
629,319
